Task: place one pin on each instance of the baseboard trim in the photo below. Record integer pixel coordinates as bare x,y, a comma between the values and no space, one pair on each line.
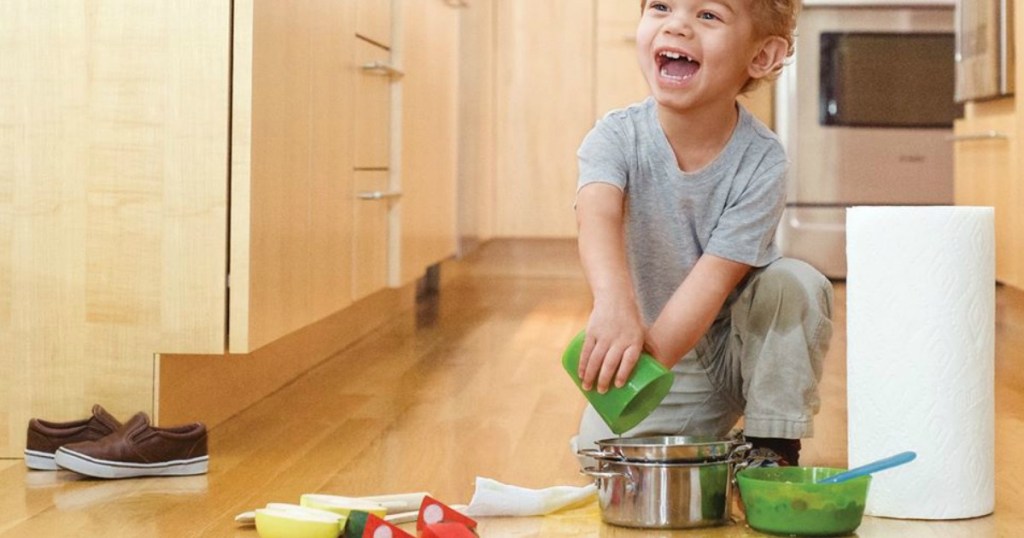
213,388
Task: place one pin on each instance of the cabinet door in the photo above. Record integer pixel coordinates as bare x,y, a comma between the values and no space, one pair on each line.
373,21
370,233
372,106
984,168
291,230
429,58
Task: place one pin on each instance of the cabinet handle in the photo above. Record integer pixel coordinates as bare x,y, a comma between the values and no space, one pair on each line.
379,195
984,135
458,4
384,69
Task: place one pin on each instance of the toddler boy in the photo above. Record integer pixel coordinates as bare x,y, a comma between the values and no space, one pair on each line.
679,198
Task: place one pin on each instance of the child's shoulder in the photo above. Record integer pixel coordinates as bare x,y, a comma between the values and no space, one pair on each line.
758,128
633,113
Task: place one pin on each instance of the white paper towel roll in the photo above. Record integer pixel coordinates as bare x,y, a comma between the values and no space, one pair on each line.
920,294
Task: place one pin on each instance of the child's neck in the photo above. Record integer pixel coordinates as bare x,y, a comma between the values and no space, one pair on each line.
698,136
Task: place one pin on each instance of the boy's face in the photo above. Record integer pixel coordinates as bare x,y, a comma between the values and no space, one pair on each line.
695,51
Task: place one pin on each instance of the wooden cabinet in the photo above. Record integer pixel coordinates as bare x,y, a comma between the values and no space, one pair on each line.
428,57
114,127
989,170
985,172
373,21
185,182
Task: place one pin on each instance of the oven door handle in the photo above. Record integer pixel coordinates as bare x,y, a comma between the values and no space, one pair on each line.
984,135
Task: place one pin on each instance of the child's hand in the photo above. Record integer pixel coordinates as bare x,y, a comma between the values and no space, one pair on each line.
615,338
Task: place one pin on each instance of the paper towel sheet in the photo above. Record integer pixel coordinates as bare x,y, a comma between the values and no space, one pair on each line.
493,498
920,357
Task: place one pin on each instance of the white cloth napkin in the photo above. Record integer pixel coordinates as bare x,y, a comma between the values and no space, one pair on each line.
492,498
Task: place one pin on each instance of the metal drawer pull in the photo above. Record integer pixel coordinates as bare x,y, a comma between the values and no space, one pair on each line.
379,195
984,135
381,68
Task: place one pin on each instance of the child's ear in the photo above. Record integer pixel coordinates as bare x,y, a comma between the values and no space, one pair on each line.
769,57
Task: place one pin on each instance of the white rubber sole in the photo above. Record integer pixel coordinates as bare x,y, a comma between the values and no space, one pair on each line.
97,468
40,461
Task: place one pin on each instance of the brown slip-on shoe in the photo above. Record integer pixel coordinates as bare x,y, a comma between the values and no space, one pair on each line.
45,437
139,449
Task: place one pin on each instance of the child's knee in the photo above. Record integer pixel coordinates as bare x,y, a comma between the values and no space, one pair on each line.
797,285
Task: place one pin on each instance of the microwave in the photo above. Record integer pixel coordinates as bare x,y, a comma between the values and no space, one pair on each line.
984,49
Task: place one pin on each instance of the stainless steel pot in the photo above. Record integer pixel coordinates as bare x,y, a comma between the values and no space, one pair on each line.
663,495
663,449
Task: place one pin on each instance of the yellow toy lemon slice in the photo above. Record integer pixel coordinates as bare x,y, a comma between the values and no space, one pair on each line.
291,521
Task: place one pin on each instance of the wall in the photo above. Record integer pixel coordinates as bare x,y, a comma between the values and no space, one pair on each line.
476,166
545,105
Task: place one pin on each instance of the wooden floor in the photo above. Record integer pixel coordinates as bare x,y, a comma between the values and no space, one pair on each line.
470,386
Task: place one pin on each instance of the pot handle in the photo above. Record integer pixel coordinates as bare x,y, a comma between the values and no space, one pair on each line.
738,457
594,472
739,452
597,454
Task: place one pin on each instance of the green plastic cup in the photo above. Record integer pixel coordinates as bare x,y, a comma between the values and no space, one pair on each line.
623,407
787,500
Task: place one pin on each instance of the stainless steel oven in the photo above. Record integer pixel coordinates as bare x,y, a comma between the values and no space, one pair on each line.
864,112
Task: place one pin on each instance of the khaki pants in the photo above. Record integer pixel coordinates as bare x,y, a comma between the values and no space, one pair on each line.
761,359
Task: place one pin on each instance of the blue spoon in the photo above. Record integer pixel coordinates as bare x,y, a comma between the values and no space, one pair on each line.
873,467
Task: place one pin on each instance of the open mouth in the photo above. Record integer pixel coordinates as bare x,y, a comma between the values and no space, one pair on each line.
675,65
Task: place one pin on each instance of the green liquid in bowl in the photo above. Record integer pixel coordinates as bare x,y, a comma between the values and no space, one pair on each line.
785,500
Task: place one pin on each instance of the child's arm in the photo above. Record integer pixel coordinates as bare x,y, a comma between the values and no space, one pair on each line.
693,307
615,332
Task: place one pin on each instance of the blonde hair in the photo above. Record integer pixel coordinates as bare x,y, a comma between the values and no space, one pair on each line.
771,18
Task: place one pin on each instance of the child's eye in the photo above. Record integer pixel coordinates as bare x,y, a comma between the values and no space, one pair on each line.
707,15
657,6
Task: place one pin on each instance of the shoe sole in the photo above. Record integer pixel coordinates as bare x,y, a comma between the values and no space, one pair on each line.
98,468
40,461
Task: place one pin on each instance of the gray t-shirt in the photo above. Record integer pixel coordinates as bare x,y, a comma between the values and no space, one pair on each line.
729,209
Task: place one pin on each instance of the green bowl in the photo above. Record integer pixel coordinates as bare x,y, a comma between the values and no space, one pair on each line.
786,500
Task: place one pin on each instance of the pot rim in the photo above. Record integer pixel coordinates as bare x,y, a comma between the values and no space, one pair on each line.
663,449
672,464
663,441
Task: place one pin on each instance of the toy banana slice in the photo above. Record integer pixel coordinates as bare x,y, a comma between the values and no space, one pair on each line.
342,505
400,502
